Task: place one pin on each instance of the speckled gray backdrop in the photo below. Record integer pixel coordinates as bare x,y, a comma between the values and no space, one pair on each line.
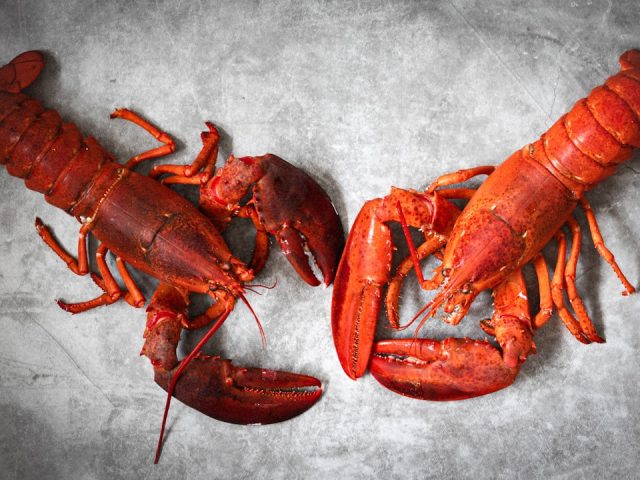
362,96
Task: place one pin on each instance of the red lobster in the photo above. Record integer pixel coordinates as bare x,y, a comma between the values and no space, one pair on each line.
522,205
152,228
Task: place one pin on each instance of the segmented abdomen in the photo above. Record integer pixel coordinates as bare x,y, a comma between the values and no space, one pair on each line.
585,146
51,156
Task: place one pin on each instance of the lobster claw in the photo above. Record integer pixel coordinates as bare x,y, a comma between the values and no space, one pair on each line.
219,389
293,207
365,269
286,203
214,386
451,369
459,368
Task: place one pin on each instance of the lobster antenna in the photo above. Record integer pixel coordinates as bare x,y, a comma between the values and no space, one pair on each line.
436,303
258,285
174,378
420,312
251,286
262,335
426,317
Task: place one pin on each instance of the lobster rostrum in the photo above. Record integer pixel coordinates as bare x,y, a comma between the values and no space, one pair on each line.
150,227
523,204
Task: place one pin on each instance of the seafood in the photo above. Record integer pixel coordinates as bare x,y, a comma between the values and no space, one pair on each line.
522,205
150,227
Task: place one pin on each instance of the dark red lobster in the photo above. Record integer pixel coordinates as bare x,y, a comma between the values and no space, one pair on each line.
155,230
523,204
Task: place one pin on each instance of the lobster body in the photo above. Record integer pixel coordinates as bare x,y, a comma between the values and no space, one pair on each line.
133,215
524,203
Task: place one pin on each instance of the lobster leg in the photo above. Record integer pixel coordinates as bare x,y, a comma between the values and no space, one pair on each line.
212,385
135,297
512,321
261,245
459,177
169,144
79,266
429,247
601,247
588,329
546,300
107,283
556,291
202,167
459,193
224,303
111,290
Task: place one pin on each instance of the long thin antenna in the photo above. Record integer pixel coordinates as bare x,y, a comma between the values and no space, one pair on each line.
262,335
256,285
415,317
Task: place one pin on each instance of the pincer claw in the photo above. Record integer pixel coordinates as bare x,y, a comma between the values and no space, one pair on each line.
219,389
286,203
292,206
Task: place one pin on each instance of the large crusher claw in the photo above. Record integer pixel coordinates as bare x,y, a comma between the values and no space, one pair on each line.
365,269
213,385
219,389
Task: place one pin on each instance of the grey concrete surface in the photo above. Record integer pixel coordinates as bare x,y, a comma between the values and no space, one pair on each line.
363,96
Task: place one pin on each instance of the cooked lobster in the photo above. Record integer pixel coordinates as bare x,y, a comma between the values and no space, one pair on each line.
150,227
524,203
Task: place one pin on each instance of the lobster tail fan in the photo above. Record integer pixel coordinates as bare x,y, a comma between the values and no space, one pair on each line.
20,72
630,59
262,335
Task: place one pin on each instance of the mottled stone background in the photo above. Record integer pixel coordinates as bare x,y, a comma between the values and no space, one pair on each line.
362,95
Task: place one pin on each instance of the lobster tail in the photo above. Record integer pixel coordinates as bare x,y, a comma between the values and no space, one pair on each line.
581,149
597,134
35,145
50,156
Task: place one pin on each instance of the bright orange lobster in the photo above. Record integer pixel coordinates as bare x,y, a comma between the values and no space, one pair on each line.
522,205
152,228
